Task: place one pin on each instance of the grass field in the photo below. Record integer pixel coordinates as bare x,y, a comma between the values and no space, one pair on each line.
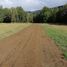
9,29
59,34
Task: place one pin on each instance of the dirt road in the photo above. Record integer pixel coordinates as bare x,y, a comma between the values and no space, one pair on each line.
30,48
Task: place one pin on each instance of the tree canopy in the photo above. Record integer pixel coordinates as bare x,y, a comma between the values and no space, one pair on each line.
46,15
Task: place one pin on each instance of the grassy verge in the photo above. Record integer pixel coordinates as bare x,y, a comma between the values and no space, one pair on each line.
59,35
9,29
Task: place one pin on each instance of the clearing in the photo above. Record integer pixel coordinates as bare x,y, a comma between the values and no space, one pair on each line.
30,48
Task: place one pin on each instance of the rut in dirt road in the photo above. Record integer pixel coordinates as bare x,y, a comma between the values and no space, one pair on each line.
30,48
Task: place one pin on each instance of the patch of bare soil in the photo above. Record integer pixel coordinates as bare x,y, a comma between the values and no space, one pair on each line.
30,48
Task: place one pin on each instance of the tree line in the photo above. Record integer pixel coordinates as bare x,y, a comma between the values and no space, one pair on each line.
46,15
12,14
56,15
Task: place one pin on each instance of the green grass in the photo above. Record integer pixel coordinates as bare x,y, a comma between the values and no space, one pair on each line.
11,28
59,35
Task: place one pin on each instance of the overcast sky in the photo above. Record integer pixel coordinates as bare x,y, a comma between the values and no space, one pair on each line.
31,5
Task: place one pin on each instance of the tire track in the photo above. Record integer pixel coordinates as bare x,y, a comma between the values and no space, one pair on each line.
30,48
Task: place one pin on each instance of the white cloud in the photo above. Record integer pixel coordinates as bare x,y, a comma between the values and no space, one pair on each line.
6,3
53,3
31,4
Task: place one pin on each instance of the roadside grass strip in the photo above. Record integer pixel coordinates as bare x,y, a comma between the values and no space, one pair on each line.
58,35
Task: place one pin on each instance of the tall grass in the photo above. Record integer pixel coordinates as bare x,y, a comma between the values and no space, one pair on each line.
11,28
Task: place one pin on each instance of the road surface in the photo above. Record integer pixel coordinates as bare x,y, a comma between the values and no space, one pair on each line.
30,47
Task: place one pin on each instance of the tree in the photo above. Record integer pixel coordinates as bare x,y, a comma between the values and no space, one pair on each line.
21,15
1,14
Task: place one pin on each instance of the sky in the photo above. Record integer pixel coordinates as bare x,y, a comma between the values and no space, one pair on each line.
32,5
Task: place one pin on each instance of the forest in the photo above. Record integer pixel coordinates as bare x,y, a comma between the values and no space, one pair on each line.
56,15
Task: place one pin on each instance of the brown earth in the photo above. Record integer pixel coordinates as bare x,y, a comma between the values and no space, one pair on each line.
30,48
